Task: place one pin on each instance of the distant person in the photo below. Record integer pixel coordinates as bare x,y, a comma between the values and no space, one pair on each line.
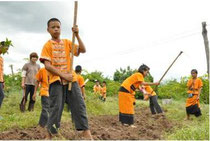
42,78
194,86
103,91
2,49
97,88
127,94
150,94
29,72
80,80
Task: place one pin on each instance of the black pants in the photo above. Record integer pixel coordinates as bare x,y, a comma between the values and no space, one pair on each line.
59,94
29,89
45,111
1,93
154,106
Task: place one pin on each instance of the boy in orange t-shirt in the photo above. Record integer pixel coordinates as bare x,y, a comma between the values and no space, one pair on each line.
194,86
127,94
150,94
80,80
97,88
56,58
2,47
42,78
103,91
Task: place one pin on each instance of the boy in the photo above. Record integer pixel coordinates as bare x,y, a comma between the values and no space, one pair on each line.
127,94
194,86
56,58
42,77
29,72
97,88
2,48
150,94
103,91
80,80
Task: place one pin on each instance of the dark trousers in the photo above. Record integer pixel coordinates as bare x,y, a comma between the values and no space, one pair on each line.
59,94
1,93
29,89
154,106
45,111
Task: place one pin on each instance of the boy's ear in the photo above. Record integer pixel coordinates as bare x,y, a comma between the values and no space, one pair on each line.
47,29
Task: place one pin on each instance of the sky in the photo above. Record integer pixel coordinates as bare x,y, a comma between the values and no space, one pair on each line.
116,33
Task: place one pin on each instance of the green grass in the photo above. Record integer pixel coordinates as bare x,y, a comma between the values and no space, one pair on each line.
196,129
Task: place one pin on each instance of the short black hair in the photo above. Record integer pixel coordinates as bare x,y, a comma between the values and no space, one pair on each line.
194,70
143,68
52,20
78,69
33,54
104,82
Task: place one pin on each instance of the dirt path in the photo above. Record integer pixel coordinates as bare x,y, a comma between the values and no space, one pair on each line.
103,128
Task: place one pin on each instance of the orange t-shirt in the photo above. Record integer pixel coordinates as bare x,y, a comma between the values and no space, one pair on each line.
196,85
59,56
136,79
97,89
103,90
1,69
42,77
80,80
149,90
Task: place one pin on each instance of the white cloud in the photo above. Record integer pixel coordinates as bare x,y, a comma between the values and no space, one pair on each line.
121,33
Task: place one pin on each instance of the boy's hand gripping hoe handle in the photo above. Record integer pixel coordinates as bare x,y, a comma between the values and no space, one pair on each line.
73,41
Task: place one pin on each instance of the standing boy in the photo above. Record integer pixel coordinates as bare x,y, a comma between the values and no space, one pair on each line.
29,72
56,58
97,88
2,48
103,91
42,77
80,80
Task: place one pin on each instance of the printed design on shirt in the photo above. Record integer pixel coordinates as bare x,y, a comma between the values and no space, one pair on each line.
59,58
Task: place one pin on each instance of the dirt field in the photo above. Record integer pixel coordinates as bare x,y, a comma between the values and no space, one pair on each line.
102,128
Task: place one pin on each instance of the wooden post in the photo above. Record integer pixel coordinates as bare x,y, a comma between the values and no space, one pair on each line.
206,43
11,66
73,41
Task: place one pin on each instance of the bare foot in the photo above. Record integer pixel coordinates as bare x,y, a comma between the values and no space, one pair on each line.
133,126
87,135
48,136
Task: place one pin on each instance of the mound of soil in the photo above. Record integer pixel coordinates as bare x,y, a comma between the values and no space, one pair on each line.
104,127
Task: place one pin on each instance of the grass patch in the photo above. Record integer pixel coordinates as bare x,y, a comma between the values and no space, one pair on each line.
195,129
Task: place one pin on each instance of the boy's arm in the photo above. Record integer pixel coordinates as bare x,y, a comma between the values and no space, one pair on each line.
150,83
52,69
35,90
82,48
83,92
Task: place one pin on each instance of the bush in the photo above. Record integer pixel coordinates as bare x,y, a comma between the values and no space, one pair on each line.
12,82
177,90
112,86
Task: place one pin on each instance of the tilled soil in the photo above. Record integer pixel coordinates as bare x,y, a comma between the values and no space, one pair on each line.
104,127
